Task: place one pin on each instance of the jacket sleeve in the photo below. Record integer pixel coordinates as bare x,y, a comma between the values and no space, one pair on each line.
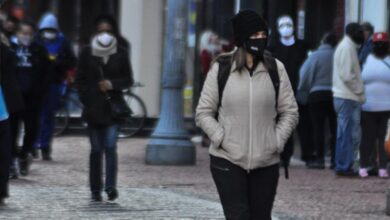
126,80
207,108
306,75
287,110
343,61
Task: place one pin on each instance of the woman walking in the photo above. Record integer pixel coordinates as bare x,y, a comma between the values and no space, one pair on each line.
104,71
252,126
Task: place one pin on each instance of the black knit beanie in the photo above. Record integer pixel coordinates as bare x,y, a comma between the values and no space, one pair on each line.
246,23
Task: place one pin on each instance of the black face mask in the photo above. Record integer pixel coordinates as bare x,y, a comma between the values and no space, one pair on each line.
256,47
380,49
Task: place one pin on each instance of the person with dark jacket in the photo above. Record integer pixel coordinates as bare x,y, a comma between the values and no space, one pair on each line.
315,90
292,53
10,102
63,60
104,70
247,138
32,78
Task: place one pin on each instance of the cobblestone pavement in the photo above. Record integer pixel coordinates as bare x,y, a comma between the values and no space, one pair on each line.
59,190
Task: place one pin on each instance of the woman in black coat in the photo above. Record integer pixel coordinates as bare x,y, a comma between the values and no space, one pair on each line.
104,70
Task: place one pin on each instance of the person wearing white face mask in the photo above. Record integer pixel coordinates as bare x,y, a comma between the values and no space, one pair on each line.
104,71
32,77
63,62
292,53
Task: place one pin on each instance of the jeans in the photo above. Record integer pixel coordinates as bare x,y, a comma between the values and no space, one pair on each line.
103,140
245,196
348,133
47,120
5,157
374,127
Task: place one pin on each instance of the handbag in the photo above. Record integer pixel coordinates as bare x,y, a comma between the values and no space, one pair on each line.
117,103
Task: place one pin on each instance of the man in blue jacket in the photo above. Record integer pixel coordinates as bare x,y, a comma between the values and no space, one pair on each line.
63,59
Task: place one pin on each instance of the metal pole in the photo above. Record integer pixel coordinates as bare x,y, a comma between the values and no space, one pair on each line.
237,6
170,143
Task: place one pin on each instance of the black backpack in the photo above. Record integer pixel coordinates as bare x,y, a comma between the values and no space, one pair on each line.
225,64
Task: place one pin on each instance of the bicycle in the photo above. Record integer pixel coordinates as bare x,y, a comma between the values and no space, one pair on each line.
129,127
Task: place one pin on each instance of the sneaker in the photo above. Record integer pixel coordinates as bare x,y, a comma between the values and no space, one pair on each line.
363,172
112,194
96,197
383,173
24,165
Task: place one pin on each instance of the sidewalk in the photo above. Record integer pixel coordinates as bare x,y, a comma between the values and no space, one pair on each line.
59,190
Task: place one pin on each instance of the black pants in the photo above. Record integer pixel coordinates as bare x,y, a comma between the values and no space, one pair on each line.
30,119
305,132
374,126
320,112
5,157
244,195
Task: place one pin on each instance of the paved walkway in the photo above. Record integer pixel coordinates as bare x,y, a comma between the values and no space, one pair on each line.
59,190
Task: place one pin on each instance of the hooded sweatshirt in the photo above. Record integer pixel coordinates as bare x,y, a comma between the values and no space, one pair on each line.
59,49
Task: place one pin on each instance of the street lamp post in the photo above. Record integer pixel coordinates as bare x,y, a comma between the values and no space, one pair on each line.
170,143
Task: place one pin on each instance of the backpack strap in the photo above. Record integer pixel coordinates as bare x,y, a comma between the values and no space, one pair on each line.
225,64
272,68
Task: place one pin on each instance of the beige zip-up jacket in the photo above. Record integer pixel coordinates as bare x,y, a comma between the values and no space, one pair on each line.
246,132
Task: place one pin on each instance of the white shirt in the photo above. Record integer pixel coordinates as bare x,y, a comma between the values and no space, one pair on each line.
376,78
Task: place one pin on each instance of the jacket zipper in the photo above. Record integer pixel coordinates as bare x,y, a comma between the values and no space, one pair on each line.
250,123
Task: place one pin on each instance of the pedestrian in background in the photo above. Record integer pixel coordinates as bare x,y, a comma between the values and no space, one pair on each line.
32,73
376,110
209,49
315,90
9,27
348,94
366,49
107,23
104,70
62,61
247,138
292,53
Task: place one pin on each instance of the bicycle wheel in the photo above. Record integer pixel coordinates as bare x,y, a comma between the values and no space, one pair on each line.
131,125
61,120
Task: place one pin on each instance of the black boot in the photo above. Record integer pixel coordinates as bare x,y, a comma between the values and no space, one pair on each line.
96,197
112,194
46,153
24,164
35,153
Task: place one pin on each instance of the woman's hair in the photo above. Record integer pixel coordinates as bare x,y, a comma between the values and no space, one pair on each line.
238,56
